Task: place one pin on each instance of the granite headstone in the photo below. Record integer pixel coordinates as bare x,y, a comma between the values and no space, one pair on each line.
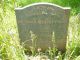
43,19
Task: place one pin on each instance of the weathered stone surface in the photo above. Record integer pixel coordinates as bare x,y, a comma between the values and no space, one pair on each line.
43,19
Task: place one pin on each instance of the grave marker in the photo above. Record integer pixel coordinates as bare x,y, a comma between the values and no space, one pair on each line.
43,19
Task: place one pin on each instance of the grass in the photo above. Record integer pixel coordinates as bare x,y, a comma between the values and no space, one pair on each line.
10,48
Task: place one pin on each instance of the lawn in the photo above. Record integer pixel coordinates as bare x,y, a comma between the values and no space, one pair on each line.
10,48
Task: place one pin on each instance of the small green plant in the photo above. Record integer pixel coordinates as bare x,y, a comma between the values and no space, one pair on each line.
33,39
52,51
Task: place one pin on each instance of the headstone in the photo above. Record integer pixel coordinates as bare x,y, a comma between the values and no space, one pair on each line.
43,19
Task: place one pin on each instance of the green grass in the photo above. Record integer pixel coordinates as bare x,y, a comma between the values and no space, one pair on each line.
10,48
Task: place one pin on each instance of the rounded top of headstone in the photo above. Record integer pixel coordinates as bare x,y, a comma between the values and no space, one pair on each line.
42,3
